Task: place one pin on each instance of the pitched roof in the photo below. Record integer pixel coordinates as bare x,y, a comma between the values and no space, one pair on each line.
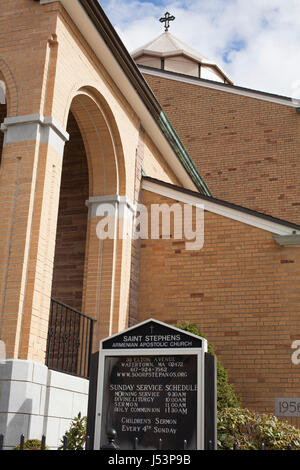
167,45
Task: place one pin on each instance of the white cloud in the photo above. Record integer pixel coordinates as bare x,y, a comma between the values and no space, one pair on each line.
269,30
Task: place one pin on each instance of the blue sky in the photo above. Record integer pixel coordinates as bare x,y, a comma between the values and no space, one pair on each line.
235,45
256,42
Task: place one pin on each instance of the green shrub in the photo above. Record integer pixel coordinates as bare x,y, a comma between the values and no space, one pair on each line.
249,430
31,444
226,397
76,434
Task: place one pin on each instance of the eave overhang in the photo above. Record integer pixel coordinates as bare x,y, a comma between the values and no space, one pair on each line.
288,240
283,230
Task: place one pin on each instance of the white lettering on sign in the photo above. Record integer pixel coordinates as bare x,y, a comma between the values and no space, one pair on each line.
159,338
132,338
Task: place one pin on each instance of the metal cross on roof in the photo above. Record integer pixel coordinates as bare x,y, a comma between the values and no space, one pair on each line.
166,19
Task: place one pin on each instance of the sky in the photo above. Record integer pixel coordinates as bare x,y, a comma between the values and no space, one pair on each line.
256,42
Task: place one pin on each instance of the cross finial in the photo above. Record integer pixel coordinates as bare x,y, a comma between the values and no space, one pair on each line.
166,19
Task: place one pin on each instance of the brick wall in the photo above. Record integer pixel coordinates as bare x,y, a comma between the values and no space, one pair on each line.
154,164
45,60
247,150
136,244
72,222
2,116
242,290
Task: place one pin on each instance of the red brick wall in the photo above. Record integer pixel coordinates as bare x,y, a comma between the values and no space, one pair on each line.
242,290
72,222
247,150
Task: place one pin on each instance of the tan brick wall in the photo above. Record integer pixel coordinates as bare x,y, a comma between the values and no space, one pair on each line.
151,161
154,164
49,68
29,175
24,35
247,150
136,244
242,290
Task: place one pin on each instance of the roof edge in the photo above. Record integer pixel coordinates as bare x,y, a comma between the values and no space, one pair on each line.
113,41
223,86
223,203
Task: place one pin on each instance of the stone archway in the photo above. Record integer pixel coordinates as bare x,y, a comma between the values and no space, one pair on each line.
102,143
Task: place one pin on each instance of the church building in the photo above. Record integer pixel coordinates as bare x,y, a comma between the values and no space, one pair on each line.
90,134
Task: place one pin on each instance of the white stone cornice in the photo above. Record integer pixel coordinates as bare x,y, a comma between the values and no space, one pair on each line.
114,202
34,127
288,240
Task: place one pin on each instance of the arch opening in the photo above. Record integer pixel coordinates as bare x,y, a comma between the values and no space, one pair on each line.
84,266
69,259
3,111
68,271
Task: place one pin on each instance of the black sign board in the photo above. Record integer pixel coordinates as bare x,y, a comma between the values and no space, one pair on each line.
153,335
148,398
151,389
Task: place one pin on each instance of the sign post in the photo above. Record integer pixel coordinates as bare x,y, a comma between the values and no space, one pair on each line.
150,389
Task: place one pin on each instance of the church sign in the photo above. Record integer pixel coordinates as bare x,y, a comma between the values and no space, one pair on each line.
151,389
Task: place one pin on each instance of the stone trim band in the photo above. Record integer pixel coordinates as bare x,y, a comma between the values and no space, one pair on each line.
34,127
121,202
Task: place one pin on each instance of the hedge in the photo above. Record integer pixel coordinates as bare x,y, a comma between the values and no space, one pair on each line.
249,430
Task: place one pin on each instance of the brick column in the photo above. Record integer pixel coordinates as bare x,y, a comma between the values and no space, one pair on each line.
30,183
